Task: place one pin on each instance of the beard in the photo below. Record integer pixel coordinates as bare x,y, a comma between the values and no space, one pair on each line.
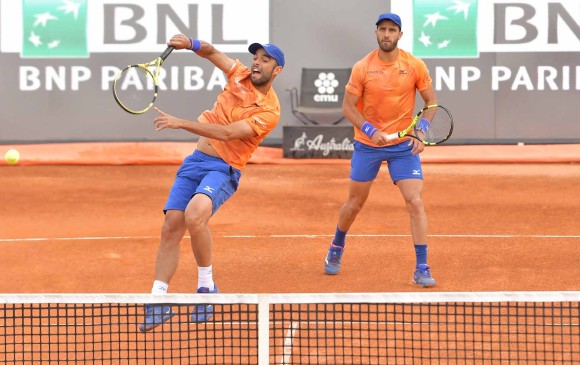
262,80
388,47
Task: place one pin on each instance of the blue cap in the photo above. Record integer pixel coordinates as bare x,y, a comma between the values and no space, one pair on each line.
390,16
272,51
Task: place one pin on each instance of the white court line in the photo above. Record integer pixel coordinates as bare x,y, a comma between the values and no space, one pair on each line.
288,340
408,235
120,238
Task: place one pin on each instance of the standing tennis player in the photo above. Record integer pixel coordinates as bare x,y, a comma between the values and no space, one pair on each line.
244,113
380,99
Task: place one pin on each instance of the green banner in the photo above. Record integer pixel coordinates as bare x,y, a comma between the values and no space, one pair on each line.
54,28
445,28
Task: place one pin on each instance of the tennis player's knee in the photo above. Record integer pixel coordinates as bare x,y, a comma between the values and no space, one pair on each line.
415,206
353,206
172,229
195,221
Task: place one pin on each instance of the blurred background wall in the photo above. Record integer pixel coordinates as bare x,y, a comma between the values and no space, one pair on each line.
508,71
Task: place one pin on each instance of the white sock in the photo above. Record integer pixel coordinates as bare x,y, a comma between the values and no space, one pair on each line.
204,277
159,287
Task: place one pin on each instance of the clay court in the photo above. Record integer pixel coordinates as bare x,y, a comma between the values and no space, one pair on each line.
73,225
85,218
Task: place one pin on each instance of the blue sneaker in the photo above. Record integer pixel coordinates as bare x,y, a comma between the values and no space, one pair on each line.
333,260
423,276
203,312
155,315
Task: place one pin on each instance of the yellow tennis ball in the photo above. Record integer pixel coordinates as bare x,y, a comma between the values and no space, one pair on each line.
12,157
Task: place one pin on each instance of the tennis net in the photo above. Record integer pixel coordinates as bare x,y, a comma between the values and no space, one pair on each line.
353,328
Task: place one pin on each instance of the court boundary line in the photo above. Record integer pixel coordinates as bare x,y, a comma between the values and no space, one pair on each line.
104,238
288,340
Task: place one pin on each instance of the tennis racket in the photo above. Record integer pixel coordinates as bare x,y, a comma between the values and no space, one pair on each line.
432,125
135,87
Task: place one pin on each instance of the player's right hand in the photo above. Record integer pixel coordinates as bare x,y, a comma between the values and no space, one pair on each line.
380,138
180,41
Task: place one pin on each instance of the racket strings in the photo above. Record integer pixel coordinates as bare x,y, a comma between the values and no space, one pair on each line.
440,125
135,89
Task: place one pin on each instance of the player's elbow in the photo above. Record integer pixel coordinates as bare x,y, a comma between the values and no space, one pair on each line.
347,111
222,137
348,106
225,135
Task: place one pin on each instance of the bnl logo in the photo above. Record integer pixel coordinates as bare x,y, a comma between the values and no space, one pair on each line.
326,85
449,28
445,28
54,28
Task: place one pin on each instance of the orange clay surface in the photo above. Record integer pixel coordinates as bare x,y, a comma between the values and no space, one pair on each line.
95,229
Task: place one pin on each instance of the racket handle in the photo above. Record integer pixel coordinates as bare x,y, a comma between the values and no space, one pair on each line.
393,136
166,53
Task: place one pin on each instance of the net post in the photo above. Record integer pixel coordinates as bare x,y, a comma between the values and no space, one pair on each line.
263,330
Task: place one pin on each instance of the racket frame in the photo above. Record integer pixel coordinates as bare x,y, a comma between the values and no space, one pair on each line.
407,131
154,75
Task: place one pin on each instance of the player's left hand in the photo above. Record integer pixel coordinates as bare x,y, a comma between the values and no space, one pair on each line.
418,146
165,120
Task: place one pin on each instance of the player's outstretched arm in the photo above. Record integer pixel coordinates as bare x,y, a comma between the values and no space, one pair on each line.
238,130
203,49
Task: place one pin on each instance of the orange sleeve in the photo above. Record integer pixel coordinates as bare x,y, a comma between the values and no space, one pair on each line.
355,83
234,68
263,122
423,77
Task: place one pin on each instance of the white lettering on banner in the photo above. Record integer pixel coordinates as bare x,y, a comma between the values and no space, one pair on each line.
302,143
193,78
54,78
468,75
537,78
145,26
29,78
48,78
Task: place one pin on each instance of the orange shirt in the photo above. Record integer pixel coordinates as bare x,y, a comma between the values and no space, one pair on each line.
240,100
387,91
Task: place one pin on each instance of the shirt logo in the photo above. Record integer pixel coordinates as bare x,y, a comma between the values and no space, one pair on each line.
416,172
242,89
259,121
208,189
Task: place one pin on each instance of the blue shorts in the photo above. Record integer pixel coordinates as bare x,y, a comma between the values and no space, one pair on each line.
203,174
366,162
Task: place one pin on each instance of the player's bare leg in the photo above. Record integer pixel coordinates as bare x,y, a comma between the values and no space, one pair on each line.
165,267
411,190
168,253
197,215
357,196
